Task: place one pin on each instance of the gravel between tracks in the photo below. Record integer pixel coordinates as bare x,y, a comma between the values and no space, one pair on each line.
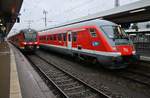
100,78
72,87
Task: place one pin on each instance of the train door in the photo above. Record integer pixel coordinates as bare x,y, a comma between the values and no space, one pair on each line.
69,40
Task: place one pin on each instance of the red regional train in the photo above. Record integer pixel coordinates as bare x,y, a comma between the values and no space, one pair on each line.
26,40
94,40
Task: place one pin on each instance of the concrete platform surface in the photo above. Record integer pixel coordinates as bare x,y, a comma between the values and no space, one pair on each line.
32,86
9,83
4,70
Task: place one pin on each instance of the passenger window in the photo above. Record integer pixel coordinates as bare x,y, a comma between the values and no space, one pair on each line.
64,36
74,36
51,38
47,38
92,32
59,37
54,37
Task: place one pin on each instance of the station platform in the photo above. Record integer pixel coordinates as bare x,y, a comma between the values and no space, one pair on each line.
9,83
18,79
4,70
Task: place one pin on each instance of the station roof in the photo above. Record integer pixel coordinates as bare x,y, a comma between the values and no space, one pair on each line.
135,12
9,11
147,30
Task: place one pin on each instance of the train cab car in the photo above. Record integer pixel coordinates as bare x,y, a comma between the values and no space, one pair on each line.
26,40
94,40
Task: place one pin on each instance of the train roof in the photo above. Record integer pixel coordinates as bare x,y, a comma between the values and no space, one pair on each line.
27,30
96,22
24,31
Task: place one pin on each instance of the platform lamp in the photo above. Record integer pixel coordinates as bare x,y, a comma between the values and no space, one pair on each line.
18,18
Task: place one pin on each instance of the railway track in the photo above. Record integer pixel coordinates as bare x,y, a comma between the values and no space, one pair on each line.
68,85
136,75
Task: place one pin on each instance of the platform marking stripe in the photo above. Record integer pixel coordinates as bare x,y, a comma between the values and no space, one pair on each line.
15,91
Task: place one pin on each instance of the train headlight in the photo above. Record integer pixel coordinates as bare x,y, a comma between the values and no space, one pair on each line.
24,43
133,52
36,43
114,48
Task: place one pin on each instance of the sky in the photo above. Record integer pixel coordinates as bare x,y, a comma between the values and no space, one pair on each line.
59,11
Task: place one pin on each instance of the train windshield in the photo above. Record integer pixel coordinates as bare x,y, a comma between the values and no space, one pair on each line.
30,36
116,33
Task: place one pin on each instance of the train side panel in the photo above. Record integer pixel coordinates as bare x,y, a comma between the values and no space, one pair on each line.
101,41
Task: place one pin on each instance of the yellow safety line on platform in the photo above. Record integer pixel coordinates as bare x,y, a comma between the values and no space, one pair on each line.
15,91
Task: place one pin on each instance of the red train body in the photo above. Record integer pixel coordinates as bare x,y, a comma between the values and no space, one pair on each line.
26,40
95,40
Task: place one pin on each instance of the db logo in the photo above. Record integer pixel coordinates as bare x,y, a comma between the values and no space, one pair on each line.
125,49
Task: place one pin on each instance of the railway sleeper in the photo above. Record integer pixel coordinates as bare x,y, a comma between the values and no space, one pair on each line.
57,74
61,78
52,69
63,82
74,87
43,67
80,88
69,85
83,94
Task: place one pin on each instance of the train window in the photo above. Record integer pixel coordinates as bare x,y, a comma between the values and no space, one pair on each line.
54,37
74,36
64,37
92,32
59,37
46,37
51,38
114,32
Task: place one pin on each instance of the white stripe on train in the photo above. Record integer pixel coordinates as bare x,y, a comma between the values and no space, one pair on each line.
87,50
